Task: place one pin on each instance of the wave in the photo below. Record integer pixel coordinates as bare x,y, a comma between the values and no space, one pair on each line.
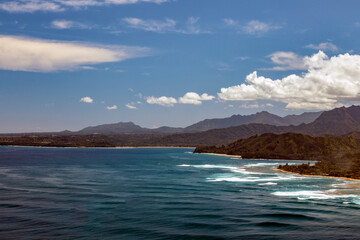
267,184
184,165
250,179
315,195
231,168
262,164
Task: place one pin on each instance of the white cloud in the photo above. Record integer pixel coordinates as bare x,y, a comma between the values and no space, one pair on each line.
87,68
66,24
130,106
326,46
37,55
87,100
286,61
257,27
253,27
120,2
254,105
188,98
163,101
80,3
23,6
114,107
313,106
194,98
168,25
327,83
151,25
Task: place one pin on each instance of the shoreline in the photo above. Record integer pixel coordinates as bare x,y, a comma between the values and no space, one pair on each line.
92,147
306,175
222,154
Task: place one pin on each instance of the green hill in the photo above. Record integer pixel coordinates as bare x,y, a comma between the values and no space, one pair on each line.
287,146
337,156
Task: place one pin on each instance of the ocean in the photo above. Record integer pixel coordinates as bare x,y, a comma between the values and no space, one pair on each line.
166,193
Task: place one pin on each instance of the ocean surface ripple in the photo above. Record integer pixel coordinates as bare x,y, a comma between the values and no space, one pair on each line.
166,193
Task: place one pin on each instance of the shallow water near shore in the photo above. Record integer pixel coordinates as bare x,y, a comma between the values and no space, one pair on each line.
165,193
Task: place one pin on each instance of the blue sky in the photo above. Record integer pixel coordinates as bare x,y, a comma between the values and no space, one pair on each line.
68,64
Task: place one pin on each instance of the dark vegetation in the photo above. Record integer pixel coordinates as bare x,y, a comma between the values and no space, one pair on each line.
348,166
292,146
93,140
337,156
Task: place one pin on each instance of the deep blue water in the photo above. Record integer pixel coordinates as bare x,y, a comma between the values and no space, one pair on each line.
58,193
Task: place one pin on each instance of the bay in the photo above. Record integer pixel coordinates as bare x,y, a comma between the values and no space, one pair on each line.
166,193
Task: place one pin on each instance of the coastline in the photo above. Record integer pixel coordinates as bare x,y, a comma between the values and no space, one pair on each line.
306,175
222,154
92,147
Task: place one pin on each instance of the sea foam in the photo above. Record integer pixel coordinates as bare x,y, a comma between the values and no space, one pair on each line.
306,195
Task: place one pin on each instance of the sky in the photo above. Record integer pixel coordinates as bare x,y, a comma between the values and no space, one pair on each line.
69,64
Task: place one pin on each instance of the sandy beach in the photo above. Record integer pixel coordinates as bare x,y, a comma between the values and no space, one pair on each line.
221,154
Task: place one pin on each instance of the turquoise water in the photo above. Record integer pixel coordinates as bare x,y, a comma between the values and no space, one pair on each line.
57,193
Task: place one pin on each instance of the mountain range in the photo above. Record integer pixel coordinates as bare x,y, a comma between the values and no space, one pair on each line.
207,124
336,122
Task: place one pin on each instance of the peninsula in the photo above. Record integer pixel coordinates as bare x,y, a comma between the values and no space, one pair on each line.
336,156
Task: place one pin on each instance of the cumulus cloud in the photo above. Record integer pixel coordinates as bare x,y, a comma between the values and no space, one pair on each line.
286,61
66,24
168,25
87,100
326,46
114,107
194,98
327,83
163,101
37,55
23,6
188,98
253,27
